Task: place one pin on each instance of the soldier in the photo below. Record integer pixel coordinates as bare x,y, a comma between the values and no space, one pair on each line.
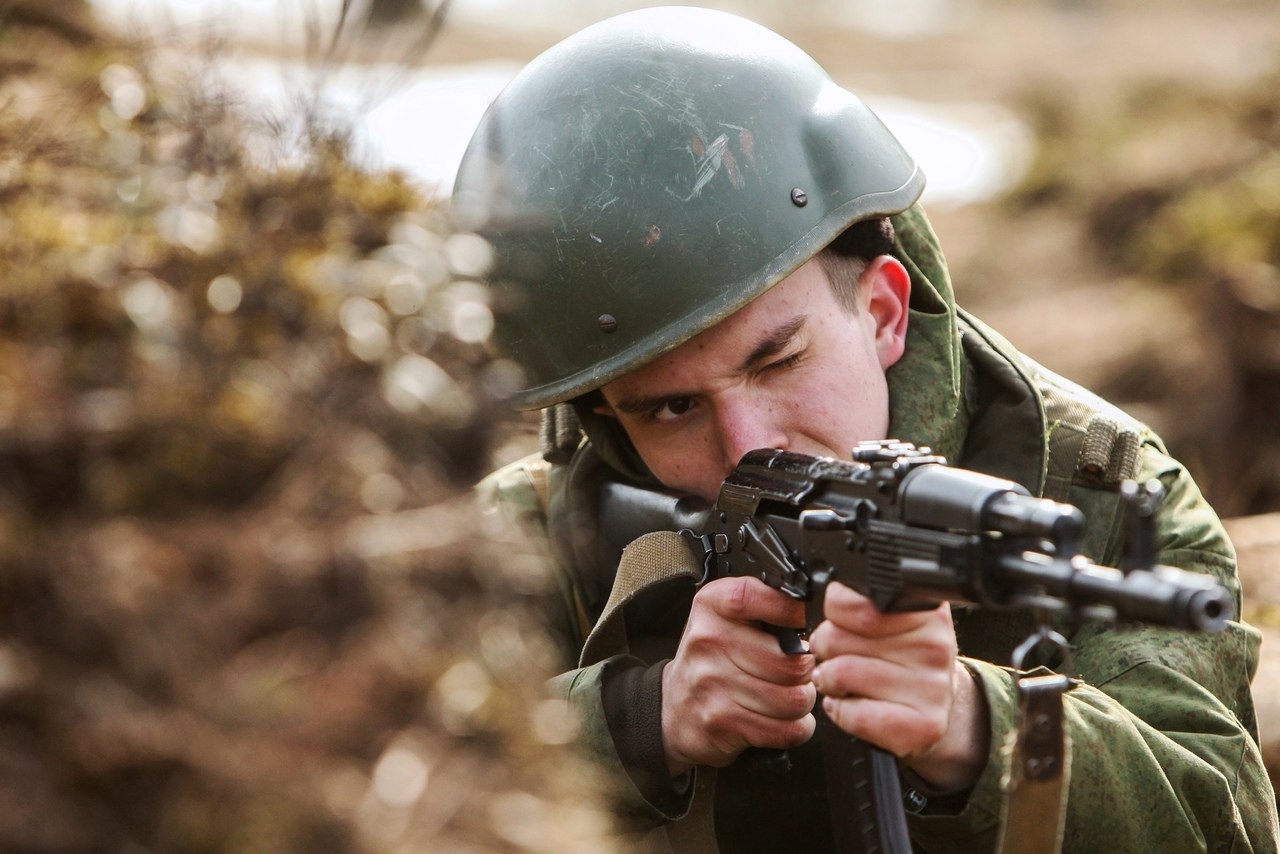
703,246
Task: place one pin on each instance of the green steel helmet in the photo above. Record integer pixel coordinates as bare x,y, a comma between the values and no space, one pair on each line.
652,174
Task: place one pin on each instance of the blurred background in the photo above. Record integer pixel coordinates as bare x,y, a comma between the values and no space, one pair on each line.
1109,164
244,384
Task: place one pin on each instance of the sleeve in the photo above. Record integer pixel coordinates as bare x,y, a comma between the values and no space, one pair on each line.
619,705
618,701
1164,750
513,500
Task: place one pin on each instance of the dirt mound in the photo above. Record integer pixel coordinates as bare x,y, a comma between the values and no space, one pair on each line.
243,395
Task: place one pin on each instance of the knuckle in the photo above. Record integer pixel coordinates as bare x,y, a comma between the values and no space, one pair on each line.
794,702
795,669
738,594
787,733
798,731
937,680
716,719
736,597
938,659
934,734
841,713
839,675
806,695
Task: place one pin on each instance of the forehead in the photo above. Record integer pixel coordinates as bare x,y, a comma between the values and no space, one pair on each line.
781,312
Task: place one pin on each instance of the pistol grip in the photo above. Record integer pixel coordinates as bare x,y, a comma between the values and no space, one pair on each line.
790,641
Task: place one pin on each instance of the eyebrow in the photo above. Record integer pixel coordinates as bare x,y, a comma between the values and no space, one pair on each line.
774,342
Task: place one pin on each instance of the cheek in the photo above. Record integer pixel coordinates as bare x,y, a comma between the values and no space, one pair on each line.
851,404
684,463
667,456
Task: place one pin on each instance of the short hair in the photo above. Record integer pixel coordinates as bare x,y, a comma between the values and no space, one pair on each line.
846,258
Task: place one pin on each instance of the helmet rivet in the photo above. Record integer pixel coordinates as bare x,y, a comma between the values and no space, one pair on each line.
607,323
799,197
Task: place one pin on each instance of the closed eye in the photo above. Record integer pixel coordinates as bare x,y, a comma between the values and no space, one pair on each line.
783,364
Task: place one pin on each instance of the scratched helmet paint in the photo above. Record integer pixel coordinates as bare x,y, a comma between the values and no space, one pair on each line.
650,175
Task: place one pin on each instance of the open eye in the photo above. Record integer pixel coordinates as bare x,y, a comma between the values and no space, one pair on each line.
672,409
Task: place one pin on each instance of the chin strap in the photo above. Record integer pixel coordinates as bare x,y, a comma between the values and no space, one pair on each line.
559,433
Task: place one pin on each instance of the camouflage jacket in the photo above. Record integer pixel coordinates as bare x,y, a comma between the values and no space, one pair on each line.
1162,728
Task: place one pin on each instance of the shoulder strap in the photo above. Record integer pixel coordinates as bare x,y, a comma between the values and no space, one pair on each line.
604,582
649,560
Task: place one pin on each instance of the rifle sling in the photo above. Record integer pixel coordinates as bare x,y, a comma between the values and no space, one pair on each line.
647,561
651,559
1039,770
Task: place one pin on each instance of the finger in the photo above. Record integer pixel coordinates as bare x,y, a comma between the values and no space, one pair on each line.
779,702
852,676
931,644
721,748
750,600
854,612
724,696
769,683
784,734
758,656
714,733
746,648
924,638
901,730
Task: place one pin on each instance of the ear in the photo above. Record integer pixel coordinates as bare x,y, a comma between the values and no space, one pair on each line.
886,291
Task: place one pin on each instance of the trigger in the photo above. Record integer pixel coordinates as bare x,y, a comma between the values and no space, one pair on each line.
790,641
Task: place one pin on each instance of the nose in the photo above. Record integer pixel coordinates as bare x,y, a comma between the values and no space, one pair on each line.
745,425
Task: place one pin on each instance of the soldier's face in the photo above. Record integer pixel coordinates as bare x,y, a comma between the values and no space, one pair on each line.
792,370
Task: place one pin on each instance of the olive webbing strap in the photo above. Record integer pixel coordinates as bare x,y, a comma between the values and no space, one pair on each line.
1039,769
648,560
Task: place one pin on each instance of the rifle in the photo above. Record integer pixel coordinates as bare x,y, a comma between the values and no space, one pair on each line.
903,528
